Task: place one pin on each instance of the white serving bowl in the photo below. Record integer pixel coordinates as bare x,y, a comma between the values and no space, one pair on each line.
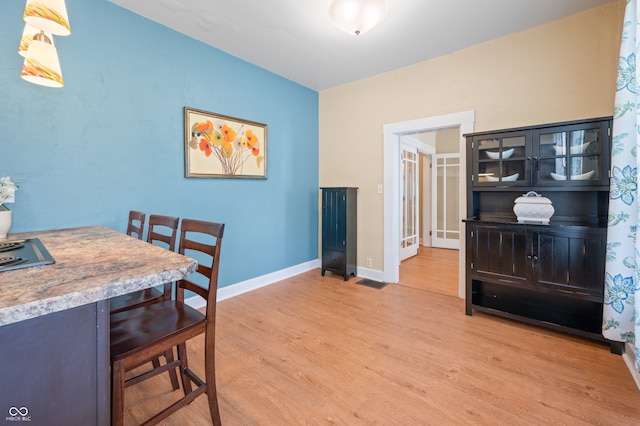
509,178
583,176
496,155
578,149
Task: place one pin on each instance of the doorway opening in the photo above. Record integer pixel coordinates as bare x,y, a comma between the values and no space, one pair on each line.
392,133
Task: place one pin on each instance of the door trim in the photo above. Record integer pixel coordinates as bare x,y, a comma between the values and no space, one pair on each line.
391,158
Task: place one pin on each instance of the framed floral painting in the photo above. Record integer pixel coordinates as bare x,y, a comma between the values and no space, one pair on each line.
218,146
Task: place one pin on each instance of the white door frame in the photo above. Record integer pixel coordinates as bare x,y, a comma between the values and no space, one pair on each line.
391,157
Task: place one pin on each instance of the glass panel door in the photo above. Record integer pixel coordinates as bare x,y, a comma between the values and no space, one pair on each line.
446,221
409,242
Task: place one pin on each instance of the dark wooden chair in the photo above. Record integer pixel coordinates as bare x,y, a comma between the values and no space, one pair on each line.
163,231
136,224
142,334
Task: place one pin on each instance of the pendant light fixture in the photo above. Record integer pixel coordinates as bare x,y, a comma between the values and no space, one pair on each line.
357,16
27,35
48,15
41,65
44,18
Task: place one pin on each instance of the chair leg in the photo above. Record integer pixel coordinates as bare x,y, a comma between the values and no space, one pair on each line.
212,394
117,394
168,356
182,356
210,377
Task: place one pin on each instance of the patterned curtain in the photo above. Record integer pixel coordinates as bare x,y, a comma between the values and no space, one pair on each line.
621,320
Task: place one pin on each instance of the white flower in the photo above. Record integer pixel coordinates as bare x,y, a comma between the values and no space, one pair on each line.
7,190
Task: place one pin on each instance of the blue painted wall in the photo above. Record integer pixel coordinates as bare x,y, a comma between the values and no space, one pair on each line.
112,139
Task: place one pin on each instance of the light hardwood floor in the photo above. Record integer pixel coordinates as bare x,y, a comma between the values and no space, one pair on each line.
439,265
315,350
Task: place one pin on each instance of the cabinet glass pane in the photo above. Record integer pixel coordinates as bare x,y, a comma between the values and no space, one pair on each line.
552,169
581,168
516,143
585,142
552,144
585,168
579,142
501,148
501,171
502,159
569,155
484,144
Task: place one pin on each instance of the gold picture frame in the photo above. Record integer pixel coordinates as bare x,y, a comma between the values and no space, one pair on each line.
219,146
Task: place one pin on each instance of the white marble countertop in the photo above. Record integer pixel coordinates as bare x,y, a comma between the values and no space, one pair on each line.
92,264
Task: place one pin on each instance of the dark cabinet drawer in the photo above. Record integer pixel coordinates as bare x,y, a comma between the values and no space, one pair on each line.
333,260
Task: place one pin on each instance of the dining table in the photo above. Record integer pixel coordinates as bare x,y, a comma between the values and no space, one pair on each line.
54,321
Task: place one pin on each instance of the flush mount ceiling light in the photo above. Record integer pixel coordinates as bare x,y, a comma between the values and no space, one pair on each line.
41,64
357,16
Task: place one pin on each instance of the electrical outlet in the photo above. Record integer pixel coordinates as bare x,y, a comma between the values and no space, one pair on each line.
369,263
379,188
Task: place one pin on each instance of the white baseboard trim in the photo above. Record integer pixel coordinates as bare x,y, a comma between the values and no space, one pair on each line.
630,359
236,289
371,274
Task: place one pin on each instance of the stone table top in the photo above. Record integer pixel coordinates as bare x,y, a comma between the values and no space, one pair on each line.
92,264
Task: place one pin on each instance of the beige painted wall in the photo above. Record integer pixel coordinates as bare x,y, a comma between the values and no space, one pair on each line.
560,71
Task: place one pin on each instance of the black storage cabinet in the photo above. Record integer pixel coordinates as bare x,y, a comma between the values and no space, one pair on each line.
339,213
553,274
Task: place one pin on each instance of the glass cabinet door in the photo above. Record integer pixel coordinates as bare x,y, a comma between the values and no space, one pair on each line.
501,160
570,154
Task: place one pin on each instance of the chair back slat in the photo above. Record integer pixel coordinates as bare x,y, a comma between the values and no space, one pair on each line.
196,288
169,227
136,224
188,233
159,222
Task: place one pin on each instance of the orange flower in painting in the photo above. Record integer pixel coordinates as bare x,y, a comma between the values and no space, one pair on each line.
252,142
205,128
205,147
229,133
252,139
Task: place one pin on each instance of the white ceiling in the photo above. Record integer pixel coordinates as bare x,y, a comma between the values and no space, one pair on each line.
295,38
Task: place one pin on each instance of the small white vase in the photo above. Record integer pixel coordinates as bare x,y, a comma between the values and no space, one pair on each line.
5,222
